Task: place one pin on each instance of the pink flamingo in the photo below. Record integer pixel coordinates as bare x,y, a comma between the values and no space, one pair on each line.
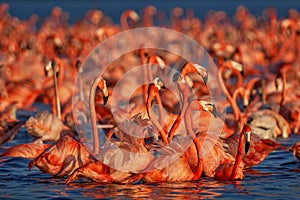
234,171
68,154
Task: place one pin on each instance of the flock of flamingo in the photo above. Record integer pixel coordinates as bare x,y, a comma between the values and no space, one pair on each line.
258,60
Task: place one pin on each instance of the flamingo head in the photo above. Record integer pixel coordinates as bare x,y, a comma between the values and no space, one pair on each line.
155,86
246,98
208,106
52,64
237,66
178,78
157,60
78,66
134,16
159,83
247,131
202,72
104,90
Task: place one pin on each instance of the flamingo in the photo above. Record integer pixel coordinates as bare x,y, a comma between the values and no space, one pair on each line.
128,14
234,171
152,92
62,158
8,131
45,126
9,125
179,170
209,141
95,170
68,154
182,85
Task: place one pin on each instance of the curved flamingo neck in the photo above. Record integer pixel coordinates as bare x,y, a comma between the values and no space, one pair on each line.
57,83
123,20
235,109
93,116
124,17
188,120
239,155
250,84
151,93
186,69
145,77
184,91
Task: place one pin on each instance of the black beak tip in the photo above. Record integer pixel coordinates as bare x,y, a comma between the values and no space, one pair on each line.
105,99
215,112
243,73
163,87
175,77
247,147
205,79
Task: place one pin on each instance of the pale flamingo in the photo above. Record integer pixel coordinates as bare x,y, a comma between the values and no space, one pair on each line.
213,152
152,92
45,126
68,154
179,170
9,125
95,170
183,87
9,130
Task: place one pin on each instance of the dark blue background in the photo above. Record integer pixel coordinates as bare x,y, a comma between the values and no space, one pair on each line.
77,8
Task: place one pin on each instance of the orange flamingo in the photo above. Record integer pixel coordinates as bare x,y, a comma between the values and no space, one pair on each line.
62,158
128,14
234,171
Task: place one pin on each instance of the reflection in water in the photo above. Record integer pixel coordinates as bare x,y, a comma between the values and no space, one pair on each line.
204,189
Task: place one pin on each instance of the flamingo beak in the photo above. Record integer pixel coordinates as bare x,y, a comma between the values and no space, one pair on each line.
214,111
205,79
202,72
247,145
242,73
159,83
175,77
105,99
